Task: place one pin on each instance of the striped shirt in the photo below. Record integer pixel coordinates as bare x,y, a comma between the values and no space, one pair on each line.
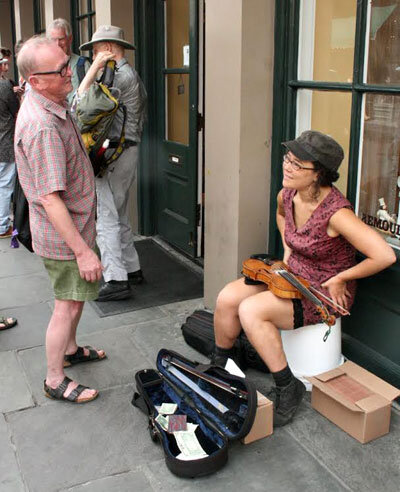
51,157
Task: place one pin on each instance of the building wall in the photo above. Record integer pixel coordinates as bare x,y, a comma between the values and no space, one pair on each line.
6,32
238,87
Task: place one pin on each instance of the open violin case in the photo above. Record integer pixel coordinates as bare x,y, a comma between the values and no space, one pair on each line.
223,407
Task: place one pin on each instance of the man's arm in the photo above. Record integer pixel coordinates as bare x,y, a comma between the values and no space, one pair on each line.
89,265
98,63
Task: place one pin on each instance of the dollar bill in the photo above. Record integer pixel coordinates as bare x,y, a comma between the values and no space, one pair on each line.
163,421
191,427
189,445
167,408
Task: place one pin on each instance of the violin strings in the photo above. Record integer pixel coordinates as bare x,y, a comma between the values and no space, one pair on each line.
290,278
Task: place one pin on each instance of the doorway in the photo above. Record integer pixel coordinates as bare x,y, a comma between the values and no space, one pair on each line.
170,56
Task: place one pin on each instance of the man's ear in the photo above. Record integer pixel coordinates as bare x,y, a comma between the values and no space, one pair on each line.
36,82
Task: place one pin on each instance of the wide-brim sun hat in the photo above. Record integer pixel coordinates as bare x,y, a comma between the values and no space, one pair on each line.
106,33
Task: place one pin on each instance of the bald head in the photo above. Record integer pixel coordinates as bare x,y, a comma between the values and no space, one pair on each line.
46,66
30,55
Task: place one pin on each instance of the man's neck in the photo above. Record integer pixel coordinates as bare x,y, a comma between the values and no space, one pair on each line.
51,97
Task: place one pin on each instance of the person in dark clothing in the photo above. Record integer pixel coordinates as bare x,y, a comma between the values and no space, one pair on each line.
9,106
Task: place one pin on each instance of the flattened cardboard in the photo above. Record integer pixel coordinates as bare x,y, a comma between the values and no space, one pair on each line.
355,400
262,426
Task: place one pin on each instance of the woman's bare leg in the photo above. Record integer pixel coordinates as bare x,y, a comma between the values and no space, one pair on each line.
226,318
261,317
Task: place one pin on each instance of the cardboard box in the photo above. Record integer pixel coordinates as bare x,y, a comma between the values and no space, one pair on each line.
262,426
354,399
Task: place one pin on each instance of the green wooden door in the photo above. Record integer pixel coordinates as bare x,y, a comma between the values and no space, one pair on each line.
177,122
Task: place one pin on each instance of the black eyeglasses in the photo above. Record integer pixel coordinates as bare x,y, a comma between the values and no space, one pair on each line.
62,72
295,164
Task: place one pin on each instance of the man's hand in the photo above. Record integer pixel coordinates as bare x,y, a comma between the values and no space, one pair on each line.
90,268
101,59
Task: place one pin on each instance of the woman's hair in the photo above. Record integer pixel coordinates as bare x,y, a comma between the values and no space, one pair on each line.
5,52
325,177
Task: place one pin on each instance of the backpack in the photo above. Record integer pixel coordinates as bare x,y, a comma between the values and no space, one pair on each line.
21,225
95,113
80,67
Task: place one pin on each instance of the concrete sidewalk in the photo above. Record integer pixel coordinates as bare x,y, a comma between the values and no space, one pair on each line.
105,446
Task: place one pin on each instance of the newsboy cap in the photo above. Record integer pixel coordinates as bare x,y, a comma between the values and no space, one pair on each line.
106,33
316,146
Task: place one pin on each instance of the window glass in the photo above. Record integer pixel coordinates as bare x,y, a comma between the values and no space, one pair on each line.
330,113
378,200
326,42
177,108
383,43
177,33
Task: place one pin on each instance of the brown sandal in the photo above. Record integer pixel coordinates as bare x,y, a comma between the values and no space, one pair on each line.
58,393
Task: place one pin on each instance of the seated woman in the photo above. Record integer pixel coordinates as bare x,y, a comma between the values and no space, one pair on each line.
320,235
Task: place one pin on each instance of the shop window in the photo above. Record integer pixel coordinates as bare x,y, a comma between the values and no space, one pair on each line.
328,112
326,39
343,78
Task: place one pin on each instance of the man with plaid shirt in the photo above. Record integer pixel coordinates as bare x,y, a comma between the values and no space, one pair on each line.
57,178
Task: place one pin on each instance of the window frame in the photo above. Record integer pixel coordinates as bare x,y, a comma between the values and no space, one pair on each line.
286,85
76,18
39,23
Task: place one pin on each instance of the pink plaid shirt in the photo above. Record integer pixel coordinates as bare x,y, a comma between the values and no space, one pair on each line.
51,156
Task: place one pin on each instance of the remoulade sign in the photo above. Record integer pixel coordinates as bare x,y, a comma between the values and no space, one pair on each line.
382,225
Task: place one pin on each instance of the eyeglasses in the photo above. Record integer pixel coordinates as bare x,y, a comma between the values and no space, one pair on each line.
62,72
295,164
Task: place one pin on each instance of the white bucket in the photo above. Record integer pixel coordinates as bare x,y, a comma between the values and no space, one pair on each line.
307,353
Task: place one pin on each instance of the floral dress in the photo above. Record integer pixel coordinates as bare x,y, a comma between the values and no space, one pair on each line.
316,256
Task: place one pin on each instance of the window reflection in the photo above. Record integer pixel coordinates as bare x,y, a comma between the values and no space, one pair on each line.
383,65
378,203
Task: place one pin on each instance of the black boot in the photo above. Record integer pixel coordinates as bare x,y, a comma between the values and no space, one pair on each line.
114,290
220,356
286,401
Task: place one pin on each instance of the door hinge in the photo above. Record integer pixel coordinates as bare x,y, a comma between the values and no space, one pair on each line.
198,214
200,122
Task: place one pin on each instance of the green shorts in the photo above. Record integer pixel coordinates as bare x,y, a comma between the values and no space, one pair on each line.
67,282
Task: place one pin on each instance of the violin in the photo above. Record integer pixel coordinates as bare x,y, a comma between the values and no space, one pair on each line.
284,284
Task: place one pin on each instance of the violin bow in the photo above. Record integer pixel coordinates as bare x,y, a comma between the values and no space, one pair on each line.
326,317
340,309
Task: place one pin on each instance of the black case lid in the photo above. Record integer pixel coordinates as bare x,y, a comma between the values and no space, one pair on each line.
225,402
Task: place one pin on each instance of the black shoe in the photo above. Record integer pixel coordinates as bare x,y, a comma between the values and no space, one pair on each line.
114,290
135,278
218,360
286,401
